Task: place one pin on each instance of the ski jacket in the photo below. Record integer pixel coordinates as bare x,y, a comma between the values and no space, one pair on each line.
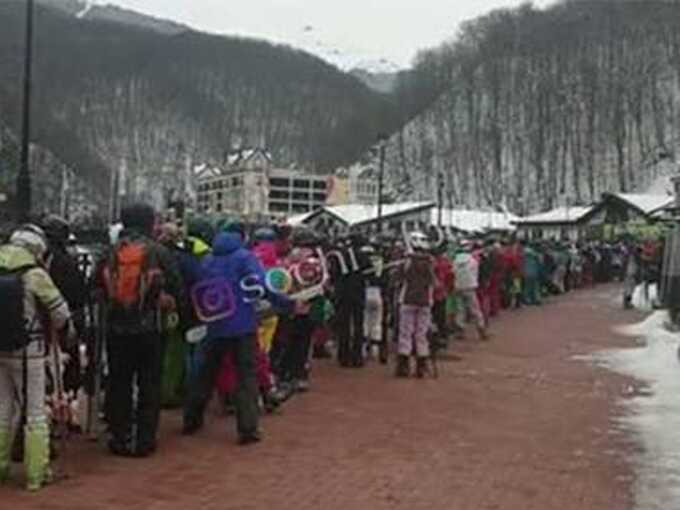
419,281
44,305
443,269
237,271
466,268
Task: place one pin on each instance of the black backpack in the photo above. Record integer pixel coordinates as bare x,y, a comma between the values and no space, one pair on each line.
15,334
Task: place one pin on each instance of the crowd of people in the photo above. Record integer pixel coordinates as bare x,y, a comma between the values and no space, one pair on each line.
187,312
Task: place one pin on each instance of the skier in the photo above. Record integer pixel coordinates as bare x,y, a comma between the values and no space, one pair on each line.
26,293
141,283
234,274
415,311
466,269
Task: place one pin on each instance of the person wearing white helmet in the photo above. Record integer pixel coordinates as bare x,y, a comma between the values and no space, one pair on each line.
27,296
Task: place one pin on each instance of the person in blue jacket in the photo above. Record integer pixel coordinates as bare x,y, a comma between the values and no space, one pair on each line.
225,299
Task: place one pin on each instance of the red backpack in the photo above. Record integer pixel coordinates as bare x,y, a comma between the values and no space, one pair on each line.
133,277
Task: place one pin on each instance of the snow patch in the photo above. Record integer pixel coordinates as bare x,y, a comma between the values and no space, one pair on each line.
87,7
653,415
341,55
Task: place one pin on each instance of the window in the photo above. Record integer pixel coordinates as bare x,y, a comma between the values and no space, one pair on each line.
218,207
237,181
278,182
300,208
219,195
320,185
278,194
300,183
301,195
277,207
319,197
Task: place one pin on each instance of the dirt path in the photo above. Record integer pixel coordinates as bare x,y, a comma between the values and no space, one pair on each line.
517,425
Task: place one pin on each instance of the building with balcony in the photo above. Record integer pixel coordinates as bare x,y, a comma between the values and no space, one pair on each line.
250,186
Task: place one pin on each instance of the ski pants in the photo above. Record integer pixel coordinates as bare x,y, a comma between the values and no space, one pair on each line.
135,357
11,390
373,316
246,395
350,323
414,325
469,304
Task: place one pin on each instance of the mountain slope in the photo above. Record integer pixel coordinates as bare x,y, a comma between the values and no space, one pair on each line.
541,107
109,96
87,9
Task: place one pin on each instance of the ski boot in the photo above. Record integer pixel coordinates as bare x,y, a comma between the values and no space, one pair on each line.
37,453
5,451
422,368
403,369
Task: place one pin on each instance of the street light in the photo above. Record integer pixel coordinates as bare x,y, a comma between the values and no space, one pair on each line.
24,177
382,144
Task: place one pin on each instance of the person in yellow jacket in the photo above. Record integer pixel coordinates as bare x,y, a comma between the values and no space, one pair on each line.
44,309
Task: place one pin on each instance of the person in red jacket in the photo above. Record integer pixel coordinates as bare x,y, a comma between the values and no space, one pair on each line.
513,255
496,278
444,286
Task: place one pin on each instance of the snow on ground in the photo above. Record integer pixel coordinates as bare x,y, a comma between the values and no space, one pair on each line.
653,415
645,299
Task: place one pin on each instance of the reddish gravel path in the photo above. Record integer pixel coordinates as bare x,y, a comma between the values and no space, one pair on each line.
517,425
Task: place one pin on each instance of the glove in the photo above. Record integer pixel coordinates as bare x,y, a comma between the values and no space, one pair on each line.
69,336
167,303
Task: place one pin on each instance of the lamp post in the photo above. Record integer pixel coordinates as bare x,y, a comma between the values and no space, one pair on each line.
382,144
24,177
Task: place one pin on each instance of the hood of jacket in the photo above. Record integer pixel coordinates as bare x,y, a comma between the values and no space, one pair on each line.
14,257
226,243
265,251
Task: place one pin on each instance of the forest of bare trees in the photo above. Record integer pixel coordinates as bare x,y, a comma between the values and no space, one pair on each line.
110,97
544,107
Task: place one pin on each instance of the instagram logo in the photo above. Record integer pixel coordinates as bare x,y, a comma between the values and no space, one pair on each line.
213,300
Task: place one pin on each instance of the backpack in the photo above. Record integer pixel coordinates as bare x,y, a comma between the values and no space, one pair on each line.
15,333
133,279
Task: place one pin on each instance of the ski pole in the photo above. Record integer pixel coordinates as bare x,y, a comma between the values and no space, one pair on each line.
100,339
61,406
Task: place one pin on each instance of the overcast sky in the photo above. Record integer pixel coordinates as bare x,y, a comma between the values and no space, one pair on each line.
394,29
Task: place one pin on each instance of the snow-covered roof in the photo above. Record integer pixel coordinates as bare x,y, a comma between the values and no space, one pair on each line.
298,219
475,221
356,214
561,214
240,156
647,203
205,171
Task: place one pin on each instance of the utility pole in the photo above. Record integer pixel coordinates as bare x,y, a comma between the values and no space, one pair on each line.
440,198
63,198
382,144
24,178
